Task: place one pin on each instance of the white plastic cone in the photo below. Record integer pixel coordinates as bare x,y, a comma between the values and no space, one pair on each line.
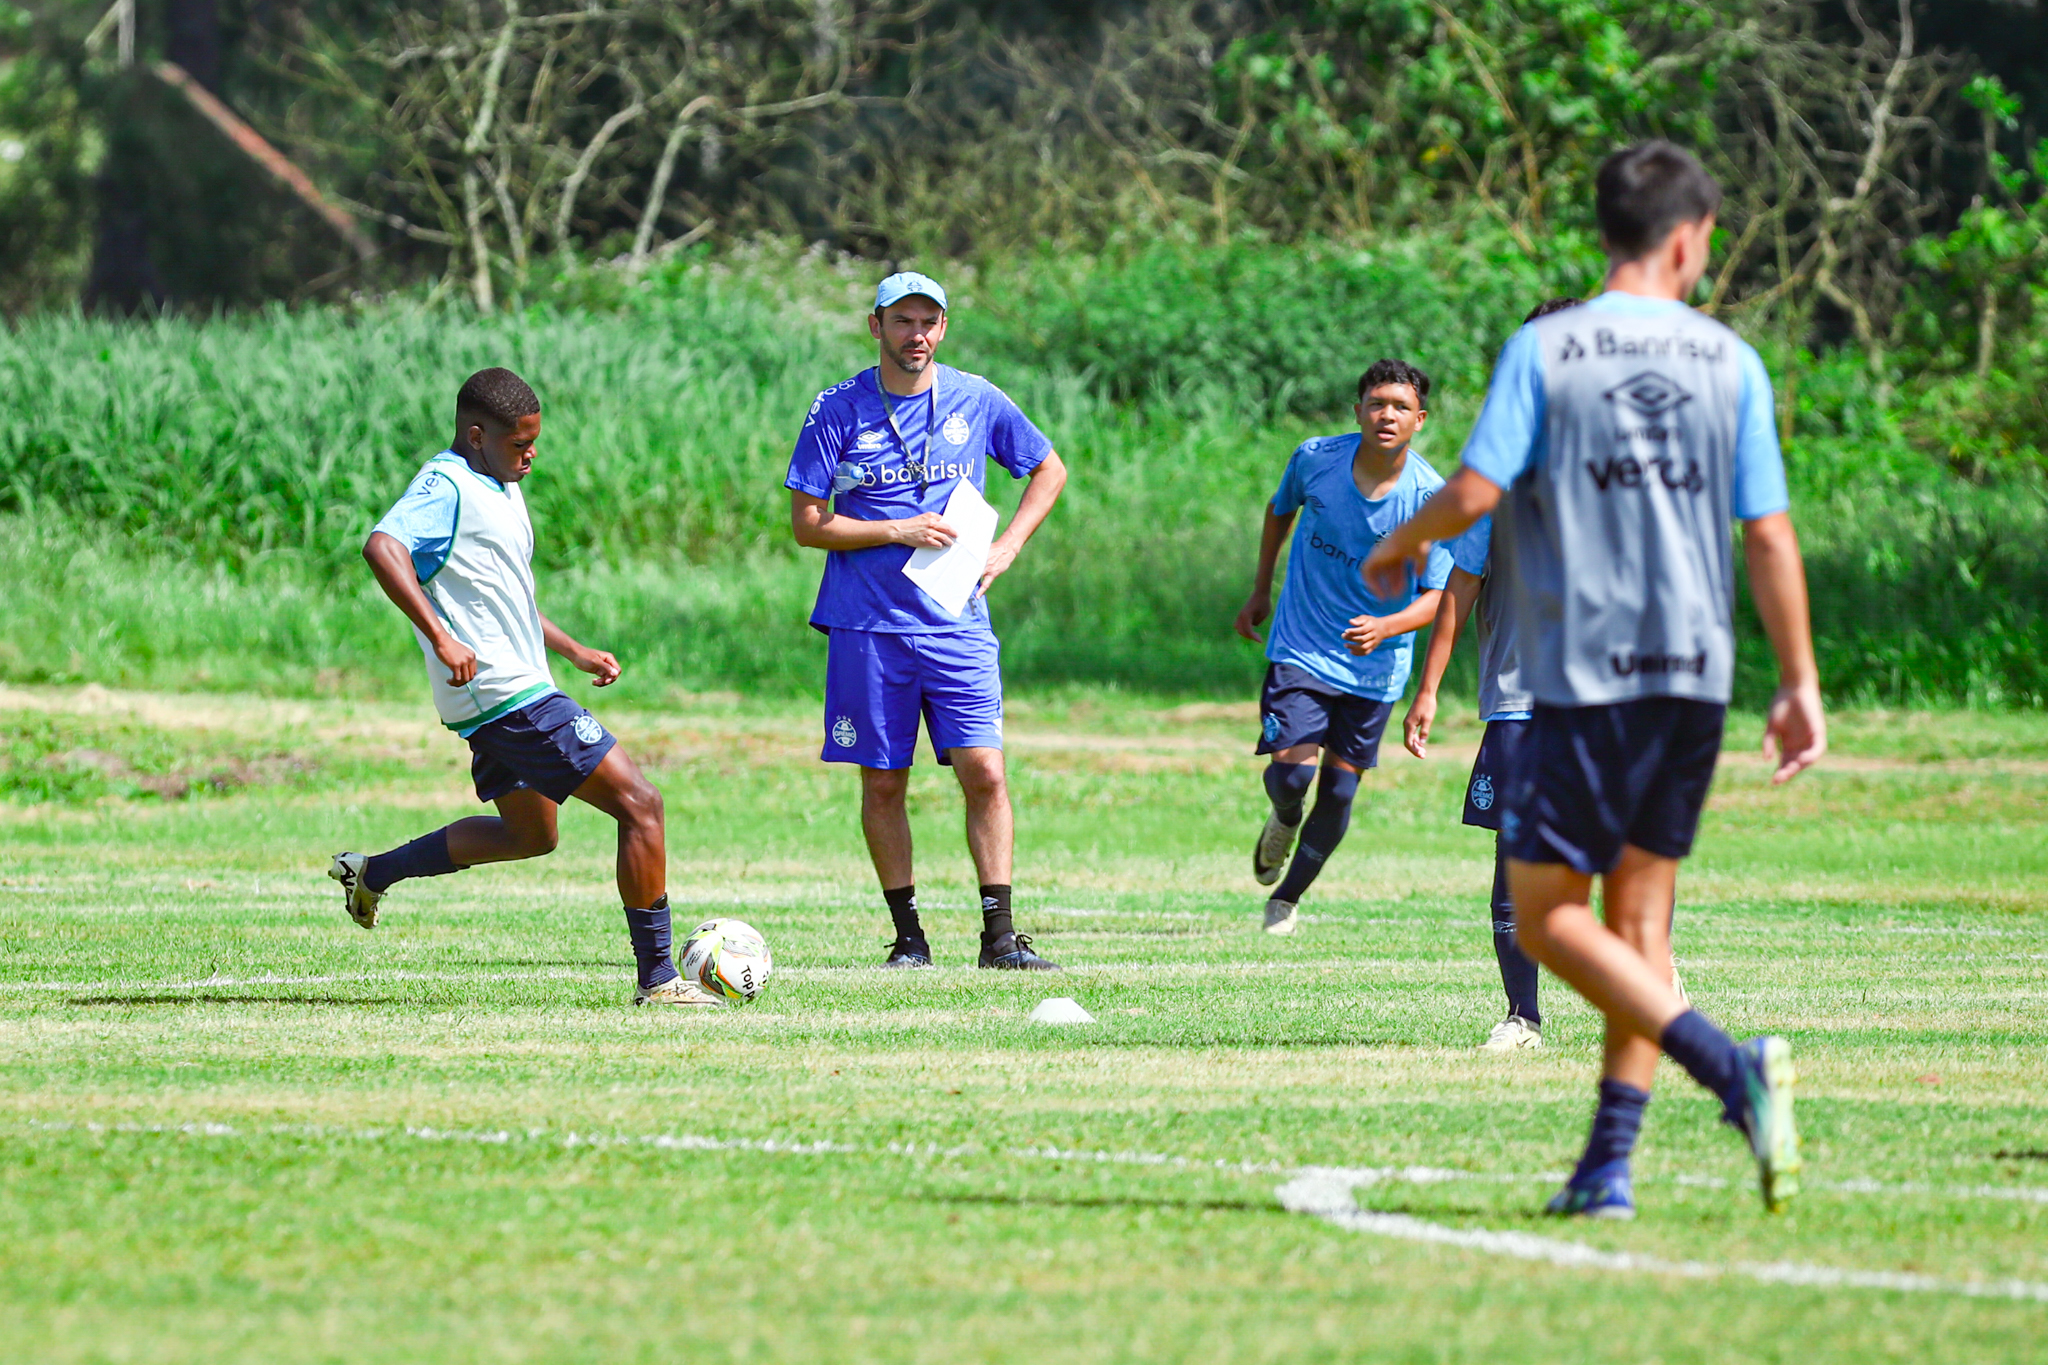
1060,1010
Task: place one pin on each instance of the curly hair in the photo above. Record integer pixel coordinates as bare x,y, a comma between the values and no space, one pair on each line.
1549,306
1394,372
497,394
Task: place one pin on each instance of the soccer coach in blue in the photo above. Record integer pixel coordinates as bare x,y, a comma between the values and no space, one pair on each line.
876,462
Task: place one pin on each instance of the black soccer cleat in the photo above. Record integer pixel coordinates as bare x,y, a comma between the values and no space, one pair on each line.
1012,953
909,952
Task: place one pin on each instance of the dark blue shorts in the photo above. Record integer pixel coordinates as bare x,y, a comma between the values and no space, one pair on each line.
550,747
1592,778
1297,707
878,685
1486,794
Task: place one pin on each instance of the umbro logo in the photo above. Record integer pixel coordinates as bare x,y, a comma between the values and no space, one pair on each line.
1316,504
1649,393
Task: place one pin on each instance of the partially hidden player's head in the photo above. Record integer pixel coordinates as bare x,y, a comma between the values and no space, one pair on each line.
497,421
1549,306
1393,403
909,320
1656,205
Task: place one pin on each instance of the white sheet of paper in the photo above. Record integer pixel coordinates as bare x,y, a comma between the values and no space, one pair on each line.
949,576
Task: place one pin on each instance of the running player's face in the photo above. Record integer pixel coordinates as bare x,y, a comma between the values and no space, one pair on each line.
910,331
508,451
1389,415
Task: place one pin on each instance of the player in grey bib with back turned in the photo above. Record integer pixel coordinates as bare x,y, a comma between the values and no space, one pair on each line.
1618,440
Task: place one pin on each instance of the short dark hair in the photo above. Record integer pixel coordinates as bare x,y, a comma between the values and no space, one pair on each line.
498,394
1644,191
1385,371
1549,306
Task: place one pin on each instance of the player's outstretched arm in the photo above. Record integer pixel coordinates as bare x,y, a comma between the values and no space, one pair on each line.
391,562
817,527
1041,490
1452,609
1796,733
1260,604
1466,498
597,662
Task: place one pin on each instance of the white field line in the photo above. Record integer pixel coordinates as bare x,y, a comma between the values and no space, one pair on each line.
1326,1193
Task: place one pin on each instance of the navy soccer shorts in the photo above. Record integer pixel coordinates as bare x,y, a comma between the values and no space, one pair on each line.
549,746
1486,795
1593,778
1297,707
878,685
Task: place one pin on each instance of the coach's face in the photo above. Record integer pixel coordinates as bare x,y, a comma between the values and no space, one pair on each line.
1390,415
507,451
910,331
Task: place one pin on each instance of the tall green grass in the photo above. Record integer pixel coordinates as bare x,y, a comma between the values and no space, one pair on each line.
182,503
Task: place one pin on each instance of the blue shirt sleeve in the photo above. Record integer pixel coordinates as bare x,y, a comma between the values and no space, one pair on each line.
1437,571
827,430
1013,442
1759,463
1287,499
1471,550
1508,438
424,521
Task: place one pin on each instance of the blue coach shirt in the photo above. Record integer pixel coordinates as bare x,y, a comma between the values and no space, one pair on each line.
1338,528
849,452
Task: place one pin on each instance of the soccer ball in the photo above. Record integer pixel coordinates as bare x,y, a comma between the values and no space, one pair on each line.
729,958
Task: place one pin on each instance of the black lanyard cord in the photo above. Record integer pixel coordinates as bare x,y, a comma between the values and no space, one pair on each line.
917,468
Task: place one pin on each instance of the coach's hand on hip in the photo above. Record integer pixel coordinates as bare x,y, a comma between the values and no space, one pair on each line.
1001,556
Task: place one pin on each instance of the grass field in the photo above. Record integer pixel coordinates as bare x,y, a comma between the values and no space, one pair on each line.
233,1127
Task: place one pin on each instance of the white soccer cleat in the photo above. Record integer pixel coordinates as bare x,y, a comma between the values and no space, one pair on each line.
677,991
359,900
1280,917
1269,855
1513,1034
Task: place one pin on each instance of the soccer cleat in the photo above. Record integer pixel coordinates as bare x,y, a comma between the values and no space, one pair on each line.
1603,1192
1513,1033
359,900
1765,1117
909,952
677,990
1269,854
1280,917
1012,953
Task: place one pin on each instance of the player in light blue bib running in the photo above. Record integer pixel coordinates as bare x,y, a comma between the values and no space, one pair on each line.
877,460
1618,441
1338,655
455,555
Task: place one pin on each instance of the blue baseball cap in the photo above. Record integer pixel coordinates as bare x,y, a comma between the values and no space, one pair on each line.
903,285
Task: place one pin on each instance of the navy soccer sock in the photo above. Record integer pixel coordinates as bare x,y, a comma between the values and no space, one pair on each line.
903,911
1517,972
1321,832
1708,1054
1615,1125
995,912
1286,786
649,929
426,856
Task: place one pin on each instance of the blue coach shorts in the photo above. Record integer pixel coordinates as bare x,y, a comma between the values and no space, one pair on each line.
1499,751
1297,707
549,746
1592,778
878,684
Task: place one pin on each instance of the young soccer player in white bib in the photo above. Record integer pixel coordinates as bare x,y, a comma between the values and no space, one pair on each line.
1618,440
455,555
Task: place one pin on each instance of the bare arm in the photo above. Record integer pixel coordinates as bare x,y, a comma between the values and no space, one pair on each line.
391,562
597,662
817,527
1367,633
1451,612
1450,510
1795,733
1041,490
1260,604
